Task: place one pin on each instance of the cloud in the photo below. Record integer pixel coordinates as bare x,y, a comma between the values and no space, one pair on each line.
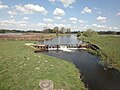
52,1
101,19
86,10
58,18
67,3
58,13
11,16
81,21
47,20
59,25
73,19
31,8
3,6
103,27
12,12
12,22
25,18
118,14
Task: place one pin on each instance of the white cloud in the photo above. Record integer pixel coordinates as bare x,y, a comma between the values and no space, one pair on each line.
31,8
18,25
118,14
25,18
12,24
67,3
58,18
73,19
59,25
12,21
52,1
81,21
86,10
58,13
41,24
47,20
12,12
103,27
101,19
3,6
11,16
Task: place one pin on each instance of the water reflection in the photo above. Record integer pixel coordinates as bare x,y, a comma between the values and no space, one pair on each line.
71,39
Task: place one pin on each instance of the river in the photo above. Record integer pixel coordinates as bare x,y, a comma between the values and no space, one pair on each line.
94,75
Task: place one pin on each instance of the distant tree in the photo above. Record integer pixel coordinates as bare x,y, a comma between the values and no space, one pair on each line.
56,30
89,33
62,30
68,30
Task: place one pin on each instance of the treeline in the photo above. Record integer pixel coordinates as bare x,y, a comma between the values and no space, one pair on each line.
57,30
18,31
102,32
109,32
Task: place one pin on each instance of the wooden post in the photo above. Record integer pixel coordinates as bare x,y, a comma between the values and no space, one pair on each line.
46,85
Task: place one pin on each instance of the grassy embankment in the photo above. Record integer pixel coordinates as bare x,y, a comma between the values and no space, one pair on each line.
22,69
110,45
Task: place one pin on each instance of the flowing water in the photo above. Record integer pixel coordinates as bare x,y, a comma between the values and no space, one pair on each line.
94,75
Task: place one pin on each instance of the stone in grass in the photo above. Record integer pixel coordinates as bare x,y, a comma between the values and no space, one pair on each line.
46,85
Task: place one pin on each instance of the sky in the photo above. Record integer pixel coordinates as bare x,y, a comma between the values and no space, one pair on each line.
79,15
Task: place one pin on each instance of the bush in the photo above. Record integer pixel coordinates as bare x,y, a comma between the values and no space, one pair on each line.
79,34
90,33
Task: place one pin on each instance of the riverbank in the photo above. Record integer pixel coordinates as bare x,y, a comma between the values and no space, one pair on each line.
21,68
110,46
29,36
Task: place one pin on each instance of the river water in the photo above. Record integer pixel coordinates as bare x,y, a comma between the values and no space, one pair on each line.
94,75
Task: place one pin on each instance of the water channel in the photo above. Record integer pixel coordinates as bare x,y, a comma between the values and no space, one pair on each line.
95,77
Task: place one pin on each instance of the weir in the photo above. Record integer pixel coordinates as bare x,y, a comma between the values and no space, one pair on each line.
63,47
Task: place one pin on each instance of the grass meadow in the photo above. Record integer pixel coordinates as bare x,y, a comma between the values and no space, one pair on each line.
110,44
22,69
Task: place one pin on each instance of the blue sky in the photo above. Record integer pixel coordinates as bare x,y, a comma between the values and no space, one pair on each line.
78,15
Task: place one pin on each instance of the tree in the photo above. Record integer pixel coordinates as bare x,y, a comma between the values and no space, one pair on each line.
56,30
89,33
68,30
62,30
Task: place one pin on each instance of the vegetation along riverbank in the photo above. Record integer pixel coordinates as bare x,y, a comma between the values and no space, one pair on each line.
29,36
109,48
21,68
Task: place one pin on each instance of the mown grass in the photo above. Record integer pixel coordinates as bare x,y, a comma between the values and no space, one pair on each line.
110,45
22,69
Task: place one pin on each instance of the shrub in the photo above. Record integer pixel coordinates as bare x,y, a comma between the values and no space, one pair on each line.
90,33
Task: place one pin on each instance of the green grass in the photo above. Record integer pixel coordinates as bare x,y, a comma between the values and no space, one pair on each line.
110,45
22,69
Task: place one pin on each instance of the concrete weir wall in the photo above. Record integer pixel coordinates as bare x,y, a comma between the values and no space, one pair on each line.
64,47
